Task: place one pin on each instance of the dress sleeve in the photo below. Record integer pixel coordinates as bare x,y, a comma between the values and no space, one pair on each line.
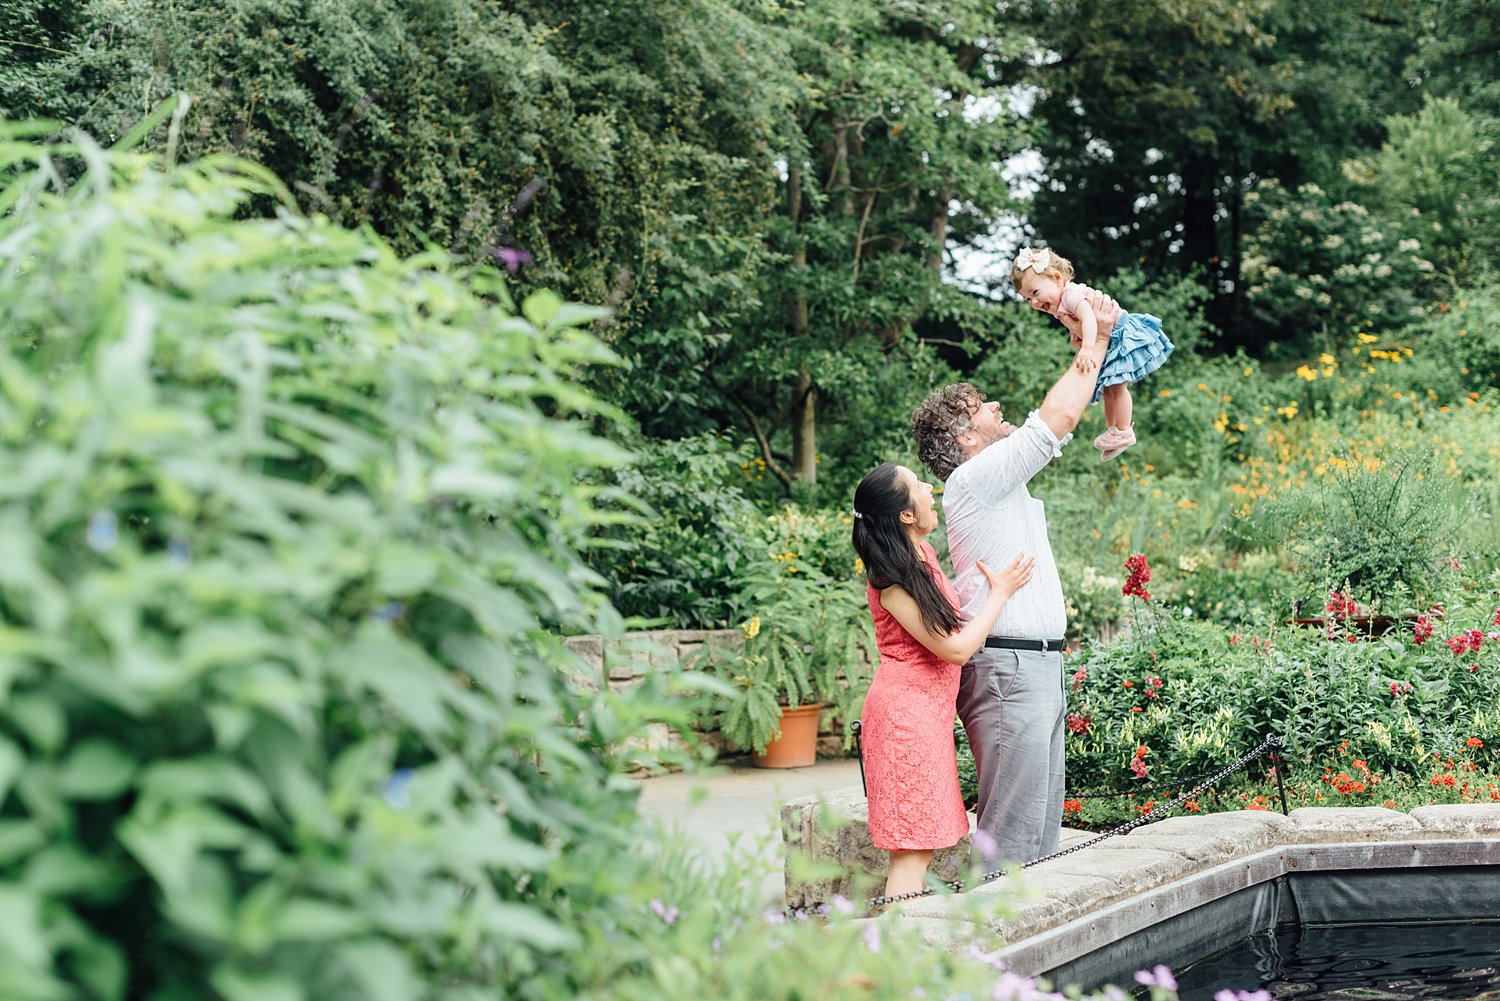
1010,463
1072,296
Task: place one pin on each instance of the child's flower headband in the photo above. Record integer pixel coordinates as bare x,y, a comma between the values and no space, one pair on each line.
1037,259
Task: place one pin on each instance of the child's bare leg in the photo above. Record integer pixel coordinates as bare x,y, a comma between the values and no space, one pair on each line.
1117,405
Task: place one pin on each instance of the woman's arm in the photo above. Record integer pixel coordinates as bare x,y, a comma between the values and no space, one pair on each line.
957,647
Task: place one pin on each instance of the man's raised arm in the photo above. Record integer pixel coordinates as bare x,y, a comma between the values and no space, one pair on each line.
1070,396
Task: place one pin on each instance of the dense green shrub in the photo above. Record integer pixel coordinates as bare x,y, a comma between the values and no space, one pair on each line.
682,559
286,528
1375,524
1196,695
808,636
1317,268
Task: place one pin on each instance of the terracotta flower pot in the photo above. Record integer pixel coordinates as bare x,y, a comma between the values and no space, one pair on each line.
797,744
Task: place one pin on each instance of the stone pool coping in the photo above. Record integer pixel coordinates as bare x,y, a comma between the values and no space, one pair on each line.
1045,915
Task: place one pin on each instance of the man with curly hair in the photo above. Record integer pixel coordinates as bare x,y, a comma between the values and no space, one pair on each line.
1011,693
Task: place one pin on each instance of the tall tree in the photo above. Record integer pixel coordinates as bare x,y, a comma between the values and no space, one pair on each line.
899,128
1159,116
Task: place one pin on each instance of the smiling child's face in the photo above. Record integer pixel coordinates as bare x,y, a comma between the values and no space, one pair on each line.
1041,291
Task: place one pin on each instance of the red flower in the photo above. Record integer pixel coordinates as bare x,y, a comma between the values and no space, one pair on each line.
1473,742
1072,806
1127,684
1459,645
1191,806
1079,722
1140,576
1341,606
1497,616
1475,638
1421,630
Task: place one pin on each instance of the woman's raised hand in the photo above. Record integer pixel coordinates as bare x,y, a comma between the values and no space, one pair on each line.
1014,577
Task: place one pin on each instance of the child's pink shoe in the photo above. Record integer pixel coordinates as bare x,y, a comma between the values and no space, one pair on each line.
1114,441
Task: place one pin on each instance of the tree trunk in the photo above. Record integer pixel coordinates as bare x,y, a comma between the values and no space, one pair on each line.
805,430
804,402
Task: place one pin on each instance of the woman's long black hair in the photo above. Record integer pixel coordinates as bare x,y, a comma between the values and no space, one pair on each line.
881,541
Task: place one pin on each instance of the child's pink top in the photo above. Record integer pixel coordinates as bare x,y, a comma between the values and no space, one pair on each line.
1073,293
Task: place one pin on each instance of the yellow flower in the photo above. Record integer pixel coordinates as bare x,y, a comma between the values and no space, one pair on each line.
1307,372
1367,338
752,627
1327,359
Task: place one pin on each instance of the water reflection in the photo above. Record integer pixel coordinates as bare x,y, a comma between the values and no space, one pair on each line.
1385,963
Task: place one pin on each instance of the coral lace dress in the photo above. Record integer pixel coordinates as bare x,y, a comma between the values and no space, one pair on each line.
910,769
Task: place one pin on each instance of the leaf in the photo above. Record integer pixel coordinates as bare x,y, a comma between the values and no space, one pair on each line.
541,307
236,984
382,971
97,769
100,965
11,763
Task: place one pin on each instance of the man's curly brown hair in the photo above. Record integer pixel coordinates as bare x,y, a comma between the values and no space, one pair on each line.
942,417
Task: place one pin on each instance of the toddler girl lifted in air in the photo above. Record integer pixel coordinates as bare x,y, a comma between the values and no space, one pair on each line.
1137,347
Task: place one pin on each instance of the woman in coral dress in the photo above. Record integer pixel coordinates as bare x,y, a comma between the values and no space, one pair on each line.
911,772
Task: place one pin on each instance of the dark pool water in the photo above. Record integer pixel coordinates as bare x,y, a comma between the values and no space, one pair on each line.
1357,963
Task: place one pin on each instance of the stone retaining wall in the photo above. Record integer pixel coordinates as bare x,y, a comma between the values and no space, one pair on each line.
832,828
626,661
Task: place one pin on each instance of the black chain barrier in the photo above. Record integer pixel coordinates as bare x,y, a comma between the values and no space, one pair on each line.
1273,743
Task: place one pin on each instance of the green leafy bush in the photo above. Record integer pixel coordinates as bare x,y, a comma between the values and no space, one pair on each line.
1318,268
1376,524
808,638
1196,695
287,525
683,559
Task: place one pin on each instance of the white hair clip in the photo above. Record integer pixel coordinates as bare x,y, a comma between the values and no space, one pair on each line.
1038,259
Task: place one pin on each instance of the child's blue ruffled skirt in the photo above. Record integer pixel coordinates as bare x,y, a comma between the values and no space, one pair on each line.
1137,347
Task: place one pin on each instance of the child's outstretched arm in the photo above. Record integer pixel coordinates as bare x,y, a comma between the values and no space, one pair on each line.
1088,335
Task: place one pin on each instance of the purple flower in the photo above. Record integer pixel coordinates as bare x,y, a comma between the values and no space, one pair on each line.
1229,995
103,532
986,843
388,612
512,258
872,937
1011,986
1159,976
668,914
842,904
397,788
